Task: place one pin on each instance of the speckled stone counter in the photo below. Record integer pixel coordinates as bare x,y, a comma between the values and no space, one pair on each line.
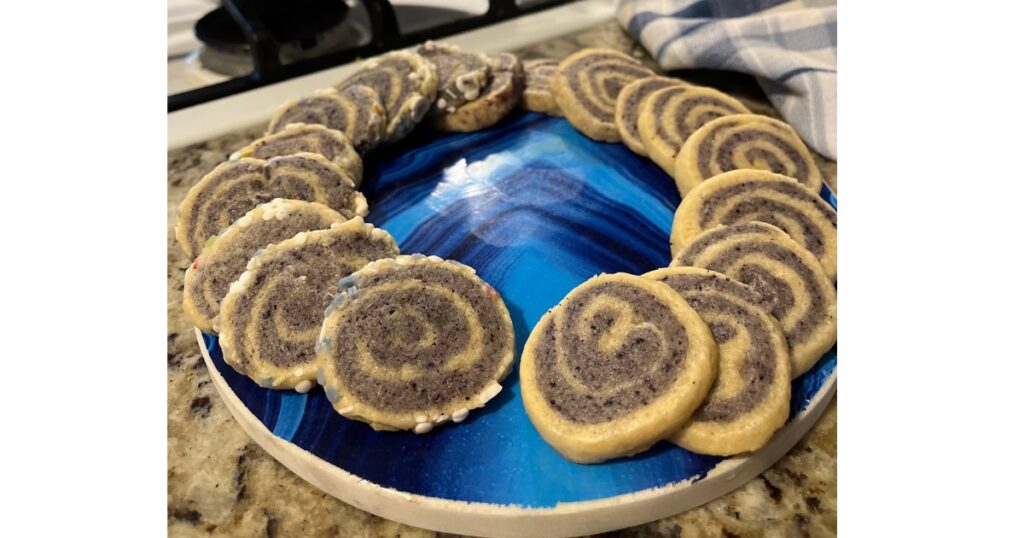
221,483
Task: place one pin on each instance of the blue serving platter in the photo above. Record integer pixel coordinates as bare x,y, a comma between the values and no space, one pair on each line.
536,208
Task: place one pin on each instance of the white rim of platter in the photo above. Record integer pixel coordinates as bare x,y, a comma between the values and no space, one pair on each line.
509,521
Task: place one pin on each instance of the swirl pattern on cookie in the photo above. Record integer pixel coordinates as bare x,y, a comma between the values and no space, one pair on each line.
414,342
620,363
355,111
307,138
537,91
627,108
795,287
499,98
750,399
758,195
208,278
461,76
406,84
271,315
670,115
586,86
235,187
744,141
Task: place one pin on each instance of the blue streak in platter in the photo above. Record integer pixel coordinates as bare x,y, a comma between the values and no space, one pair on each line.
290,414
537,209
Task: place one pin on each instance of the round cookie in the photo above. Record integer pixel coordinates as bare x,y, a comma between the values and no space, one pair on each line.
627,108
795,287
406,84
208,278
744,141
307,138
355,111
504,61
586,86
620,363
413,342
272,314
670,115
537,91
235,187
499,98
749,401
461,76
758,195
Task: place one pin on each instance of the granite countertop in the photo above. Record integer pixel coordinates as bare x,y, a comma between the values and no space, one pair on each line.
219,482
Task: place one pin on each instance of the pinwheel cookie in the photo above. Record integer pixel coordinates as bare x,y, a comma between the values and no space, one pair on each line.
627,108
500,97
620,363
586,86
537,91
271,315
758,195
413,342
744,141
750,398
355,111
406,84
461,76
670,115
224,259
795,287
235,187
334,145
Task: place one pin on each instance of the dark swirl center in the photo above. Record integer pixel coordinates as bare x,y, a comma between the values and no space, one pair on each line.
402,319
616,377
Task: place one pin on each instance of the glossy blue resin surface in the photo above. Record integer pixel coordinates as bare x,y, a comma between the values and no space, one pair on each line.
536,208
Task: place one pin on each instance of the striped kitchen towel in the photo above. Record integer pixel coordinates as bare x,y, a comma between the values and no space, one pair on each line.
789,45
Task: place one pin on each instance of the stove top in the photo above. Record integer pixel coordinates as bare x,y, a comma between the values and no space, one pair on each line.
305,29
250,106
246,44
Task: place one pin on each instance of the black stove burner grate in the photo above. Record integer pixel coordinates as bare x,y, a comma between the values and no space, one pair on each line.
293,21
261,27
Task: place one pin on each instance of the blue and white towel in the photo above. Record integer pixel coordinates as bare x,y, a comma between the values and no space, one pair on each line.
789,45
